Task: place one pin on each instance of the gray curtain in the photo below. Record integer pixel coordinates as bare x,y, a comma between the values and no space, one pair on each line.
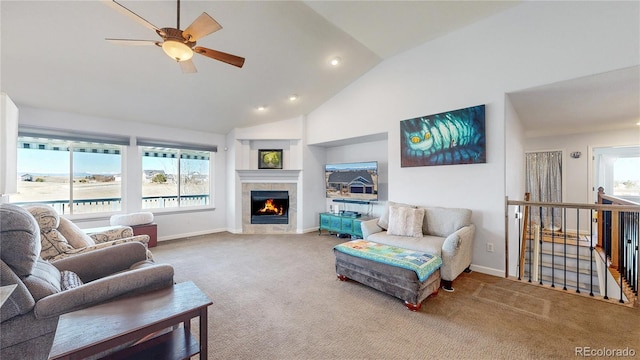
544,183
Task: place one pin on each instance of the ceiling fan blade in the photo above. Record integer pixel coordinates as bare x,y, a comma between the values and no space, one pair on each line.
220,56
133,42
202,26
188,67
114,4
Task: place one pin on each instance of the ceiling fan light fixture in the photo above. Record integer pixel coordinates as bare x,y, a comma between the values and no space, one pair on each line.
177,50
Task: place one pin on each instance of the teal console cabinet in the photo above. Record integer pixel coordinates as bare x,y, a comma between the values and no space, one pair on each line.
341,224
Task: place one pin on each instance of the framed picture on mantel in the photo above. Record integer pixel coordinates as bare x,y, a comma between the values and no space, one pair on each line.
270,159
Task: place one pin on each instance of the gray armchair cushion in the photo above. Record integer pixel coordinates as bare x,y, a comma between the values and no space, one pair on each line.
19,239
20,301
43,281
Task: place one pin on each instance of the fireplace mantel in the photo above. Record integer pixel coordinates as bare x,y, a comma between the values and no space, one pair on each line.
269,175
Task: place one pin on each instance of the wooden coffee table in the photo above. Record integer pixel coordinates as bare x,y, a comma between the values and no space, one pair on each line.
93,330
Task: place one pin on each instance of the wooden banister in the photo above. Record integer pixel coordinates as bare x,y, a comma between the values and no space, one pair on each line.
524,236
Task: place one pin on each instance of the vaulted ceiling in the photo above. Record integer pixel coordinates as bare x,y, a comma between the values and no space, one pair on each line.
54,55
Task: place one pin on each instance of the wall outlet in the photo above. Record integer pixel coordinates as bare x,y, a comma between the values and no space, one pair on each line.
490,247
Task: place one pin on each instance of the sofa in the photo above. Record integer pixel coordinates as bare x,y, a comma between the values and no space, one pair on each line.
62,238
44,290
442,231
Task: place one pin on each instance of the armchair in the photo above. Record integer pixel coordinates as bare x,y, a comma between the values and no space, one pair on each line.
45,290
62,238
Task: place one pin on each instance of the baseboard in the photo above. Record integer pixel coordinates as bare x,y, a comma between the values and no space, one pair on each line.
308,230
487,270
192,234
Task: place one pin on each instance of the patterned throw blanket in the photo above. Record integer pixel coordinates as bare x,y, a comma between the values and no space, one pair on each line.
423,264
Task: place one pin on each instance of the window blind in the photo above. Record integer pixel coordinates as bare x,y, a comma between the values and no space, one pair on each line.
73,135
175,145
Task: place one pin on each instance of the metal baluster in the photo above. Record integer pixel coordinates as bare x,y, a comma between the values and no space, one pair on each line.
577,250
606,266
623,254
564,226
540,251
591,249
553,250
530,248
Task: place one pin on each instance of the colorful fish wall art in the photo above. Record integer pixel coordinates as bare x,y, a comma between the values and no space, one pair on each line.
449,138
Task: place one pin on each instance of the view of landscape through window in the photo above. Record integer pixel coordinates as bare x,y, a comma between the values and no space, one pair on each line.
626,176
89,175
160,185
45,167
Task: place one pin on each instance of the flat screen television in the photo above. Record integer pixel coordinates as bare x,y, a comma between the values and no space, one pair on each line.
356,181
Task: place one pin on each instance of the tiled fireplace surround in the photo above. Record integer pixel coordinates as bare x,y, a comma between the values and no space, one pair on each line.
252,178
249,228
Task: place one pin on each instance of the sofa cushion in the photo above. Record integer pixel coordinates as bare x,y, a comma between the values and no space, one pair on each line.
405,221
383,222
19,239
77,238
440,221
428,244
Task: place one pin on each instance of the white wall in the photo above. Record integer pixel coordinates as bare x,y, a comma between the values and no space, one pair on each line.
533,44
514,179
579,172
170,224
367,151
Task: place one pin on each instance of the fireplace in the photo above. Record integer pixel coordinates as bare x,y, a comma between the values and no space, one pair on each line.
269,207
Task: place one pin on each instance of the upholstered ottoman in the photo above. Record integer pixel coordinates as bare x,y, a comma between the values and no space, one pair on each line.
405,274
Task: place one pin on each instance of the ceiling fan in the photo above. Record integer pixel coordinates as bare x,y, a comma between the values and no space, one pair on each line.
180,44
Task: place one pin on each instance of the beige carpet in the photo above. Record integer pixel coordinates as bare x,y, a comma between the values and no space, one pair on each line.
277,297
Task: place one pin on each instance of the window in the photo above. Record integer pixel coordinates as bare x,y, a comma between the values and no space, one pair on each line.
72,175
175,177
617,170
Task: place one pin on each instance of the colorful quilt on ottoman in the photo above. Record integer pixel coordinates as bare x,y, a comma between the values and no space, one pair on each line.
423,264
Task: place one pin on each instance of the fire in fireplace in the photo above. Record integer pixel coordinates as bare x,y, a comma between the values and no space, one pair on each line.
270,207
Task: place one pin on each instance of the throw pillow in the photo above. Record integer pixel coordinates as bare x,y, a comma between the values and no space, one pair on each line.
69,280
405,221
133,219
383,222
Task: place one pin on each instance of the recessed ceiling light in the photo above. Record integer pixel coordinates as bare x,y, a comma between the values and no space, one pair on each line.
293,97
262,108
335,61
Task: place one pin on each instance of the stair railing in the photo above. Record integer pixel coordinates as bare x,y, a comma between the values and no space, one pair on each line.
622,239
621,245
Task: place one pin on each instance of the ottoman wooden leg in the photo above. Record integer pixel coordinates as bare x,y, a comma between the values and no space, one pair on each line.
342,277
413,307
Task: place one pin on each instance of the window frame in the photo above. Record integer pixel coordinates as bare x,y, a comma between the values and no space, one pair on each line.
143,143
71,139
